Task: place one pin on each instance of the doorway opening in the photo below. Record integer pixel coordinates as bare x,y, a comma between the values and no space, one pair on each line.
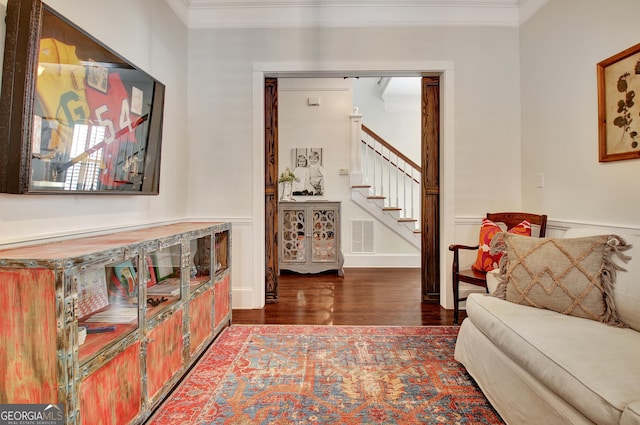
430,196
264,179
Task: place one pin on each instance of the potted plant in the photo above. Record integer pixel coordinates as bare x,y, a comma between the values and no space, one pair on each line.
286,178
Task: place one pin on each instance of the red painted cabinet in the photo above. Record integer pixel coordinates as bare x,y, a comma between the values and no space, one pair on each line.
222,305
101,394
164,353
107,325
201,320
29,337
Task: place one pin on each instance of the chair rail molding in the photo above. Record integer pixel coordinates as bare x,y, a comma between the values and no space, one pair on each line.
557,228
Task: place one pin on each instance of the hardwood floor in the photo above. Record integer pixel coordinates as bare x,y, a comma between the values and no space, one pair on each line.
364,296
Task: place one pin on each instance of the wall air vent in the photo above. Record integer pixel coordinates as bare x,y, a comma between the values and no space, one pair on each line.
362,236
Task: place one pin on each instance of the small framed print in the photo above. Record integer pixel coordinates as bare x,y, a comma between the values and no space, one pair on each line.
97,77
125,279
136,100
92,292
618,110
167,260
151,271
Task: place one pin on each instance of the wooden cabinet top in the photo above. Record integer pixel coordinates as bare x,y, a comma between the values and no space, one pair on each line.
84,246
309,202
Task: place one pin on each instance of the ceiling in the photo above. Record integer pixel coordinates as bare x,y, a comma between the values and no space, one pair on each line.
352,13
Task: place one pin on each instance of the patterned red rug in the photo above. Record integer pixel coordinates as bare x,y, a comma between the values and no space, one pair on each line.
329,375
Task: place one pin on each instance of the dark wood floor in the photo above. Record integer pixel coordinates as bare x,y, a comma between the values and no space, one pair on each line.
364,296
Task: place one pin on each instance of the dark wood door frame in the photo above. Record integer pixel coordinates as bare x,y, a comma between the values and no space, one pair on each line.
271,188
430,164
430,205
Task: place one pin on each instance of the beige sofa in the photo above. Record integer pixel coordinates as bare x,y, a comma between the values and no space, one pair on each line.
537,366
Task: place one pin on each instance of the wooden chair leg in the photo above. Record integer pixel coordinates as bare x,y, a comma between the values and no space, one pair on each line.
456,300
455,266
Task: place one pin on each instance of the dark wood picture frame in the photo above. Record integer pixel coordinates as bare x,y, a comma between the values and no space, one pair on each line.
618,110
75,117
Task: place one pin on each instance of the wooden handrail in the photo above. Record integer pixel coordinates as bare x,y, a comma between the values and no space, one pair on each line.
386,144
388,159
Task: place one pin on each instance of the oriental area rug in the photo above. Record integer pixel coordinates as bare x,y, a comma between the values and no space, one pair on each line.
276,374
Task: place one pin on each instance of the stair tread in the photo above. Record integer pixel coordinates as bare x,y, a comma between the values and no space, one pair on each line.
389,214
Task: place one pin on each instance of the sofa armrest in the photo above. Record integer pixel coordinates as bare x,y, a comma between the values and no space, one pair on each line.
631,414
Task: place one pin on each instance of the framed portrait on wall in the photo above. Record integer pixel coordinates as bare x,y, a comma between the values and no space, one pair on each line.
309,171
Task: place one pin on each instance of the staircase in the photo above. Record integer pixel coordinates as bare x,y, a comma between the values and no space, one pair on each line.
391,186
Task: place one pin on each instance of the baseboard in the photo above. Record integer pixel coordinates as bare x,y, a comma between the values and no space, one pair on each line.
243,298
382,260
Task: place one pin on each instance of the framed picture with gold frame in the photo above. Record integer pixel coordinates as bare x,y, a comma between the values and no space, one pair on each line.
618,108
75,116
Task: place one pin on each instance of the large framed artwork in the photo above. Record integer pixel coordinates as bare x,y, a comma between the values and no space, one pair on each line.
618,110
75,117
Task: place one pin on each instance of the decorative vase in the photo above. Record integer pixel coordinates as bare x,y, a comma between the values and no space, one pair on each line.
286,191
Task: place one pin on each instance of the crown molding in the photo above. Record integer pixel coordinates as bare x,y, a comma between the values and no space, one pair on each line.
528,8
352,13
181,9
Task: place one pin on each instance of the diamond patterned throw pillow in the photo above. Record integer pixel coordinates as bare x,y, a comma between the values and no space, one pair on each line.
573,276
485,261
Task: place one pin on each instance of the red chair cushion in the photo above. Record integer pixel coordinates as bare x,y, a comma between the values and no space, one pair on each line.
485,261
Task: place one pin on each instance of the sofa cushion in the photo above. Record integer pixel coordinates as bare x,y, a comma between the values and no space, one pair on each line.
594,367
626,290
486,261
573,276
631,415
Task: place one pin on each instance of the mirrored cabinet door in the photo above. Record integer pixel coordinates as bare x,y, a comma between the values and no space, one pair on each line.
324,223
309,237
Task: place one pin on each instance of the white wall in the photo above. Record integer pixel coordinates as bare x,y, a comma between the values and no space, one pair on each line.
221,62
224,166
152,37
328,126
400,126
560,47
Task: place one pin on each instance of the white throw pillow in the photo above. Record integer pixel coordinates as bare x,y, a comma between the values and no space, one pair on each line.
626,290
